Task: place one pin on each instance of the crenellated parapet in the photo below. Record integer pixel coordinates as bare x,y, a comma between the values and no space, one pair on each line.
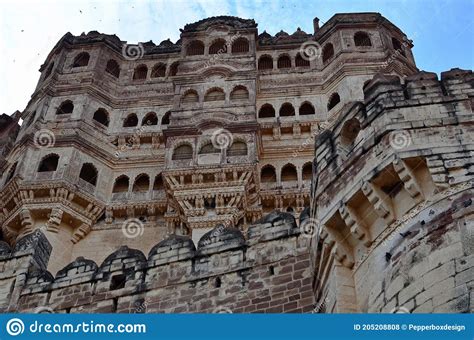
266,270
402,156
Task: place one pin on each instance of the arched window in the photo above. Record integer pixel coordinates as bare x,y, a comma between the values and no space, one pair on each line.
113,68
159,70
82,59
349,131
184,151
268,174
49,163
140,72
166,118
49,70
289,173
89,173
214,94
265,63
239,93
284,61
66,107
190,96
218,47
287,110
240,45
174,69
101,116
158,183
328,52
238,148
301,62
142,183
121,184
195,47
266,111
11,172
208,148
333,101
131,120
150,119
397,46
307,173
362,39
306,109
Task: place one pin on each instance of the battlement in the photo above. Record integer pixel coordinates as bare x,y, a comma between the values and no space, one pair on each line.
267,271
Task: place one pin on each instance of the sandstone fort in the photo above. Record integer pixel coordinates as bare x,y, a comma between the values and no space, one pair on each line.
236,171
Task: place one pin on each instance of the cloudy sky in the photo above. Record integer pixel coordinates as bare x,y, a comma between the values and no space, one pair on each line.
442,30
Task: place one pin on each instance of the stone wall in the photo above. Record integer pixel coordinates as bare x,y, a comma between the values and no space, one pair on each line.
393,198
268,272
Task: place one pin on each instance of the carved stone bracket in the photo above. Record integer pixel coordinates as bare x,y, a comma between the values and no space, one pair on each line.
80,232
54,221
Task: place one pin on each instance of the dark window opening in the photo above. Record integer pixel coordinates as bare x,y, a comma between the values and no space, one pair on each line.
265,63
113,68
117,282
266,111
101,116
81,60
362,39
89,173
328,52
240,45
131,121
284,62
49,163
66,107
333,101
